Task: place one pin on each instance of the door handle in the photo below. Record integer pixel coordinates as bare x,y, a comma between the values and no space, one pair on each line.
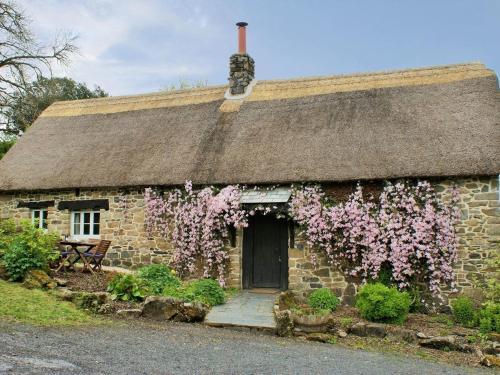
279,259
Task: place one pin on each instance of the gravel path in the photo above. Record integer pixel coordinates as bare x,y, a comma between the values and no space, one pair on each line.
175,348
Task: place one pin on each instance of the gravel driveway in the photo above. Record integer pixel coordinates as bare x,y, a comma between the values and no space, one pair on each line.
176,348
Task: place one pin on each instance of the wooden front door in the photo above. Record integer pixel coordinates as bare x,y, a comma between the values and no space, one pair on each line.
265,253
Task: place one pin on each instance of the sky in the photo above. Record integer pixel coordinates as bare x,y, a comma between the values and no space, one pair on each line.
130,47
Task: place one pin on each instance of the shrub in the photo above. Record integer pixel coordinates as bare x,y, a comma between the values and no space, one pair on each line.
379,303
323,299
29,249
488,318
7,233
463,310
158,277
127,287
207,291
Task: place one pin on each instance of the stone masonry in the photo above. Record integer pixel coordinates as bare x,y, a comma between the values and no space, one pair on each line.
241,72
123,224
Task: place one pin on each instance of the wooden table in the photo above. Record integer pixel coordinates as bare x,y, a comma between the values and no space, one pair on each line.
79,253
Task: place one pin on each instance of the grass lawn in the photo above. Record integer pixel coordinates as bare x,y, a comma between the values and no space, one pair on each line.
38,307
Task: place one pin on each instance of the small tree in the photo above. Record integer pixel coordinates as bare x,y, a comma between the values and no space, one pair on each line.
26,105
23,58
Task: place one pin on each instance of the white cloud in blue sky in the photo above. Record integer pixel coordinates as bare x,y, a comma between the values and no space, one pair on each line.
130,47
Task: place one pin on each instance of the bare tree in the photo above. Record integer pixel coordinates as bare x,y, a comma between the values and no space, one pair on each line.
23,58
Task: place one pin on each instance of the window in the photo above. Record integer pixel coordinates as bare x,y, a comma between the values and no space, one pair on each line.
39,218
85,223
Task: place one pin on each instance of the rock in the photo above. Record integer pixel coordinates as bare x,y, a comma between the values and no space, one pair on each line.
446,343
191,312
490,361
376,330
90,301
313,323
65,294
105,308
341,333
318,337
493,348
61,282
38,279
284,322
129,313
358,329
405,334
495,337
422,336
161,308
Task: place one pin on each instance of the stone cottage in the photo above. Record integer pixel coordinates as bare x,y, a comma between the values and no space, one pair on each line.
81,169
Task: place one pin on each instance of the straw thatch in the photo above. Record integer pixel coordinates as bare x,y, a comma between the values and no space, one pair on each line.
442,121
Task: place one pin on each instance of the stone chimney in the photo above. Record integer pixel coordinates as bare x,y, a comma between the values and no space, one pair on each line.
241,65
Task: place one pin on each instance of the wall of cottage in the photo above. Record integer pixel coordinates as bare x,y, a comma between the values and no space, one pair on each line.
479,239
123,224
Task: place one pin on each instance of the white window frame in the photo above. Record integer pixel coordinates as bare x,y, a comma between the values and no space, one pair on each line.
81,236
40,215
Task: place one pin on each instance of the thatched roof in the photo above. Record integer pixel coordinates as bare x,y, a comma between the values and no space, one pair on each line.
441,121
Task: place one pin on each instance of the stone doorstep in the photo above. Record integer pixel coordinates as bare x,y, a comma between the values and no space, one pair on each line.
242,327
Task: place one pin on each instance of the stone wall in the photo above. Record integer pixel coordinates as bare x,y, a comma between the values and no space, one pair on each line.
123,224
479,238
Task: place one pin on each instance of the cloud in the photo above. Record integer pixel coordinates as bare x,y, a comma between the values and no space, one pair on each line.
129,46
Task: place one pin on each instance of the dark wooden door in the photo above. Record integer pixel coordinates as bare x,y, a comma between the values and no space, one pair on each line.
265,253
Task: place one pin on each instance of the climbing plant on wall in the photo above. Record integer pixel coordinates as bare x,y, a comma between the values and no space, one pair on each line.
407,229
197,224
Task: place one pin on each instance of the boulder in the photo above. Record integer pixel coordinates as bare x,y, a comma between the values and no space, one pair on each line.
358,329
446,343
368,329
65,294
38,279
490,361
191,312
92,301
61,282
161,308
376,330
318,337
341,333
422,336
404,334
284,322
129,313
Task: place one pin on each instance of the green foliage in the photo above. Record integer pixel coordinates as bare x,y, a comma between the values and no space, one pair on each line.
346,322
7,232
158,277
379,303
127,287
5,145
206,291
463,311
323,298
27,105
488,318
30,248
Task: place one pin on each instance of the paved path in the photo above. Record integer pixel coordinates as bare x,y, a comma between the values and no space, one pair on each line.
177,348
247,309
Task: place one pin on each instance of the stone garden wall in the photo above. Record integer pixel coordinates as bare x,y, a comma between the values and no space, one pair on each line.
123,224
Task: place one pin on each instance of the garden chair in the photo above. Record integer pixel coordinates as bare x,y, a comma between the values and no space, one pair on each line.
65,256
97,254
